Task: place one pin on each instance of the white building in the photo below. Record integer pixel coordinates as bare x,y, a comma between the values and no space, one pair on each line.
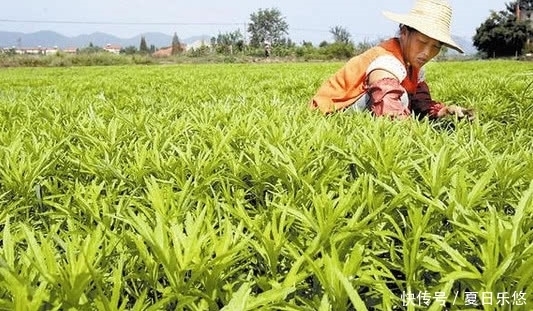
113,48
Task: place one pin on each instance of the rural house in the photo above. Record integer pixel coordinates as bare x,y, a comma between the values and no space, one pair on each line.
167,51
113,48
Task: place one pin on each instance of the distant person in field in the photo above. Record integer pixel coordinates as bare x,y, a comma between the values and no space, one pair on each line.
267,48
388,79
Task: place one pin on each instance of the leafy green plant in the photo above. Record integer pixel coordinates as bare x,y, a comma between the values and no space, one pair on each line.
213,187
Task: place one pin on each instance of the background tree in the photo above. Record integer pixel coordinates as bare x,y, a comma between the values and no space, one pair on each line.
267,25
213,43
226,42
91,49
526,5
177,48
342,47
143,47
286,42
323,44
340,35
129,50
503,34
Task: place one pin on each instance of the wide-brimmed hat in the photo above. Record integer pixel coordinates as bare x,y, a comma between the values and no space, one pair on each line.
430,17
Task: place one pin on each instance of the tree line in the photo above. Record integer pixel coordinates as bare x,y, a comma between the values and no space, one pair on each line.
507,32
267,27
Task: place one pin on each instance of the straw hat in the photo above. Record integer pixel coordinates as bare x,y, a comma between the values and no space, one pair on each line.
430,17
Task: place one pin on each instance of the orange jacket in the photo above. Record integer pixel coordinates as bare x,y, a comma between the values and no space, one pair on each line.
346,86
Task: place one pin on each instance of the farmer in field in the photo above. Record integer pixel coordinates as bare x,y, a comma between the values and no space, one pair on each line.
389,79
268,48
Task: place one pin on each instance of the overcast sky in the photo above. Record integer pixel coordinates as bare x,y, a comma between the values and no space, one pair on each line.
307,19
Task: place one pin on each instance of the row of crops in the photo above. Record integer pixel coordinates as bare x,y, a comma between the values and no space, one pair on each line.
213,187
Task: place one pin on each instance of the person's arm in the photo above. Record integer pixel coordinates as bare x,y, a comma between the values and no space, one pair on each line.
386,91
424,106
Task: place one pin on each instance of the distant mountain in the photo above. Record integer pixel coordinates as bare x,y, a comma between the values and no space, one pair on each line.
47,38
466,44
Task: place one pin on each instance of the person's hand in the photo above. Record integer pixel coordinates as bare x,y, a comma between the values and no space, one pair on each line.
457,111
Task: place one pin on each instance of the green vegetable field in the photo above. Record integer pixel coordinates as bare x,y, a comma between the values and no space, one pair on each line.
214,187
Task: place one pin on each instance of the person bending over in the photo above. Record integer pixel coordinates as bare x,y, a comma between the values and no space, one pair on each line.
388,79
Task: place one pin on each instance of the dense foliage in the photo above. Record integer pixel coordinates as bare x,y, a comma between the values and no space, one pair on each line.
209,187
502,34
220,52
268,25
